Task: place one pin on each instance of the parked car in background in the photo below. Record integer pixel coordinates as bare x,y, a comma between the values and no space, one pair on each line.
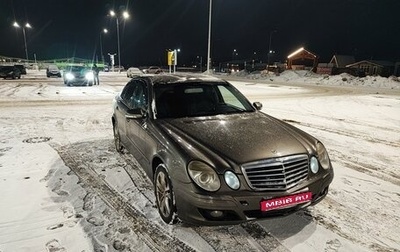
153,70
133,72
53,70
79,75
11,72
214,157
21,68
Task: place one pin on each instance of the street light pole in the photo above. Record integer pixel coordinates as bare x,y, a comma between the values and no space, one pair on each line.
119,51
27,25
101,45
209,39
269,48
176,58
26,47
125,15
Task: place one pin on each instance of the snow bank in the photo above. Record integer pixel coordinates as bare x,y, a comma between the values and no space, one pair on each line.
303,76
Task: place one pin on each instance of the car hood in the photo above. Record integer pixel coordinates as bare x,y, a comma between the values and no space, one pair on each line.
240,137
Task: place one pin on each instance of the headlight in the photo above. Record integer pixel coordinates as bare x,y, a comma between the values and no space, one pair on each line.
69,76
322,156
314,166
232,180
204,176
89,76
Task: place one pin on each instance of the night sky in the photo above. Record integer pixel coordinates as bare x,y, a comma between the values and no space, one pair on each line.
367,29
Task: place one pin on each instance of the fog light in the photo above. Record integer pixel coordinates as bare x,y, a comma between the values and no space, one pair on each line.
216,214
232,180
314,167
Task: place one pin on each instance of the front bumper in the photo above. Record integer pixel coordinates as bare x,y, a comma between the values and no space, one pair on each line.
57,74
78,81
242,206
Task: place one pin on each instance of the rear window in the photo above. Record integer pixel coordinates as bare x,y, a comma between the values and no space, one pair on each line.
53,67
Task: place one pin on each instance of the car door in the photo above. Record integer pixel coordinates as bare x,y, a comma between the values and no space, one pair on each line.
136,119
121,109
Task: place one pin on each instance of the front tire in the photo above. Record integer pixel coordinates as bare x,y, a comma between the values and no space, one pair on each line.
117,139
165,199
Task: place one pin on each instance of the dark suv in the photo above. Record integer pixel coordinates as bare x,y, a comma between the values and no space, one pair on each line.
10,72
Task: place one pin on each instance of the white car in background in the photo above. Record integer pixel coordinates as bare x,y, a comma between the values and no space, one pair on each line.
153,70
133,72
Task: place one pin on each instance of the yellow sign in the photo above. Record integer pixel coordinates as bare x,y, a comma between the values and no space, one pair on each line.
171,58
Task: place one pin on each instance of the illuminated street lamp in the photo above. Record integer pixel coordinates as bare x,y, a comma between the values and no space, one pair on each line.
27,25
176,58
125,15
234,53
101,44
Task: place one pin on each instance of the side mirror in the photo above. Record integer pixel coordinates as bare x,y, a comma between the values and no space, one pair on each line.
258,105
137,113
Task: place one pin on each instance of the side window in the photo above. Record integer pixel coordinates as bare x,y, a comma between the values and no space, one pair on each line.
135,95
229,98
127,93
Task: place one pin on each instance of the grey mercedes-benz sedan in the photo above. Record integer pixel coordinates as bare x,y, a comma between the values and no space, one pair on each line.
214,157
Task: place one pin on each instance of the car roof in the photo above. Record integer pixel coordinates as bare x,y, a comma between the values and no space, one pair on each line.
180,78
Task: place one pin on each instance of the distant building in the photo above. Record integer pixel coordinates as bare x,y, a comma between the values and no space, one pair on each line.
341,61
373,67
338,64
324,68
302,59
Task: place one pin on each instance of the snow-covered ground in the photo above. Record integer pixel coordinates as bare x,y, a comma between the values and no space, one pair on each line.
64,188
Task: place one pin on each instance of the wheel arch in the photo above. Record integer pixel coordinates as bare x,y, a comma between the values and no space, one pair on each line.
156,161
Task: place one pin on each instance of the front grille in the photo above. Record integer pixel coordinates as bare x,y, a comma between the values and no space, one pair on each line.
276,173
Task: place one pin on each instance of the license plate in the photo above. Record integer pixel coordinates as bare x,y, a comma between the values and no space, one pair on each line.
287,201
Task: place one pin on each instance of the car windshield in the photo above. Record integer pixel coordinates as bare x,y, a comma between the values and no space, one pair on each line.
77,68
198,99
53,67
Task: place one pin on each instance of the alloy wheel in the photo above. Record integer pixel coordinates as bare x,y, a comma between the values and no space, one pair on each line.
164,195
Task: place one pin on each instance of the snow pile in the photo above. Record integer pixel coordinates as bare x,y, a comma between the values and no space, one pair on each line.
303,76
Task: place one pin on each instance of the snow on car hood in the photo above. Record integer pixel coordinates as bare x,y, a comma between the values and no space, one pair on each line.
242,137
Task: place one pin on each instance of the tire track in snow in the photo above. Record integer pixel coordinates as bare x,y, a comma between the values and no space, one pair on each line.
81,158
139,224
